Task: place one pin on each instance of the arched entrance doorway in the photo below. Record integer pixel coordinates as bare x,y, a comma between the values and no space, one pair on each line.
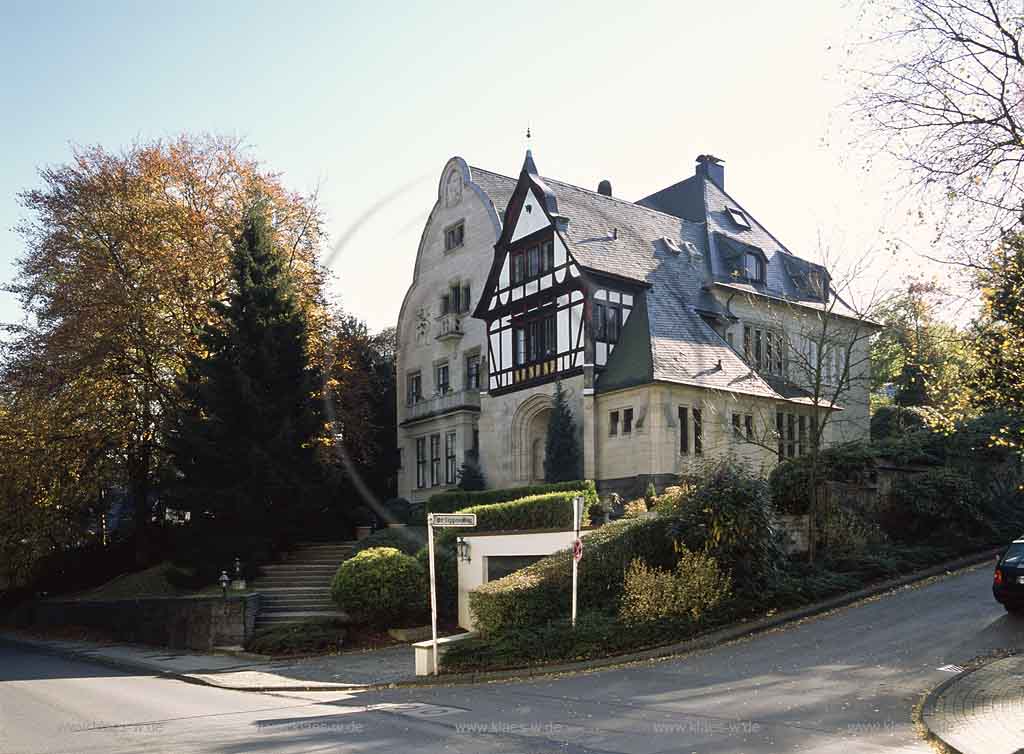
529,435
538,442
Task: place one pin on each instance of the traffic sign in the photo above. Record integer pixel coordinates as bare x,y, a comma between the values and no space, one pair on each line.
577,550
451,519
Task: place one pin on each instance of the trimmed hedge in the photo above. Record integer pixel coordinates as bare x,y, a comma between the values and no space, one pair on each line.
380,586
541,592
456,500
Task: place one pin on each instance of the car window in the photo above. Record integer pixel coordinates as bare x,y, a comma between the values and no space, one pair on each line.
1014,554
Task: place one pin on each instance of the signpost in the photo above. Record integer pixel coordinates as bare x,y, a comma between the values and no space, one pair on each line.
441,520
577,549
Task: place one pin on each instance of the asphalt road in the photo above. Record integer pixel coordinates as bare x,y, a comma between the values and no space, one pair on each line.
845,682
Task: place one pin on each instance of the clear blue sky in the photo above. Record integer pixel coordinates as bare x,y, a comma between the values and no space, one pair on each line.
359,99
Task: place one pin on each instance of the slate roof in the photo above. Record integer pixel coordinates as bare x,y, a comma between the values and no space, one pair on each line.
631,240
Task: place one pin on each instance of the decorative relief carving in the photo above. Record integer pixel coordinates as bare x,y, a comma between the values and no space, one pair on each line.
422,326
453,189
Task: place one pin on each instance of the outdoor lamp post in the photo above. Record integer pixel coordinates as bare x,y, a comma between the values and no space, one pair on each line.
463,549
224,581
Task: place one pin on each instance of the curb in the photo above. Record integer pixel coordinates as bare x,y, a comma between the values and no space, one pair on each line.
927,705
707,641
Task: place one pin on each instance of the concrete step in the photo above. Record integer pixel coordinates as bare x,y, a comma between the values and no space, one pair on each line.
275,619
284,582
268,610
332,560
290,567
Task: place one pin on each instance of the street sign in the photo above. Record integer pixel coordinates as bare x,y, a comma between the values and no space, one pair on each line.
577,550
451,519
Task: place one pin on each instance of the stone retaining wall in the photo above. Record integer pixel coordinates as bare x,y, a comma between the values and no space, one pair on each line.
199,623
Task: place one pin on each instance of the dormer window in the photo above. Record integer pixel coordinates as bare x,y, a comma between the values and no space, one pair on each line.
754,267
454,236
738,218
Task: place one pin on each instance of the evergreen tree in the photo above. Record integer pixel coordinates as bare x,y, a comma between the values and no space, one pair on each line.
562,458
471,476
246,448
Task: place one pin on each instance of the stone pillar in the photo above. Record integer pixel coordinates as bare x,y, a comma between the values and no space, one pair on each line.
590,433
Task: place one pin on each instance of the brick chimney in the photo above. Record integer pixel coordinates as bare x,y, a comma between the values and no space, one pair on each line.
713,168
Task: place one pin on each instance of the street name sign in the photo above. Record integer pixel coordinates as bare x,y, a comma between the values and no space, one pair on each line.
451,519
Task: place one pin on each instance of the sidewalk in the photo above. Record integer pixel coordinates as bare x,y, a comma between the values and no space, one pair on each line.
243,673
980,712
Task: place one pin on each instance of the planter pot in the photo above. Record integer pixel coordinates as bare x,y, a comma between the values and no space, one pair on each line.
362,532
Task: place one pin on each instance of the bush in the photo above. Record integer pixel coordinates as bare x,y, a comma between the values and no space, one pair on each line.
541,592
447,567
730,517
380,586
894,421
790,480
596,634
309,637
635,508
685,595
931,506
407,539
455,500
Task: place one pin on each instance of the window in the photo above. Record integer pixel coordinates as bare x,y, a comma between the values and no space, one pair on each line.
518,267
802,434
473,373
748,423
454,299
441,375
764,349
613,322
435,460
607,323
796,433
738,217
754,267
790,436
532,262
627,421
414,388
535,341
698,432
454,236
421,462
465,298
600,328
737,433
613,423
684,430
449,458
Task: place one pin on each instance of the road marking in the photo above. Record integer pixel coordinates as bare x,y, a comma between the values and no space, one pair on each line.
415,709
951,669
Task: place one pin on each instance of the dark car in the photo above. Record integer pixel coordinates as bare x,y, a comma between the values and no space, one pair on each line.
1008,580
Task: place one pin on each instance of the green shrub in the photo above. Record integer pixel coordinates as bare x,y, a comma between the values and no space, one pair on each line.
635,508
730,517
398,510
895,421
790,480
309,637
541,592
381,586
455,500
407,539
447,567
596,634
696,587
934,505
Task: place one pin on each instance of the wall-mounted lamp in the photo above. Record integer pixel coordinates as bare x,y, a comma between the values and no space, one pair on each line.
463,550
224,581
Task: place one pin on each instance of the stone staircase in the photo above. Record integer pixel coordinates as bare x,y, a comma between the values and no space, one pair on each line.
298,588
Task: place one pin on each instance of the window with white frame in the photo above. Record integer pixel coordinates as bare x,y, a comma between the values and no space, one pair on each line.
454,236
765,349
450,470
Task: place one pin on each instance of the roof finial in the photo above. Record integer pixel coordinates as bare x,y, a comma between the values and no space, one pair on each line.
527,133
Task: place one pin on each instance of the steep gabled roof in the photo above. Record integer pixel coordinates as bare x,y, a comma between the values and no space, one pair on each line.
679,257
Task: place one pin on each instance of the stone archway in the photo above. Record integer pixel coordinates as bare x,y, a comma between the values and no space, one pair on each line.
529,435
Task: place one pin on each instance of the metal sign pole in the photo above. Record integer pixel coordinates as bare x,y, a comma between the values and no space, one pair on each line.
577,506
433,585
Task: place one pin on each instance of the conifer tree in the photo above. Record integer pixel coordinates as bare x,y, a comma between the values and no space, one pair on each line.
562,459
246,448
